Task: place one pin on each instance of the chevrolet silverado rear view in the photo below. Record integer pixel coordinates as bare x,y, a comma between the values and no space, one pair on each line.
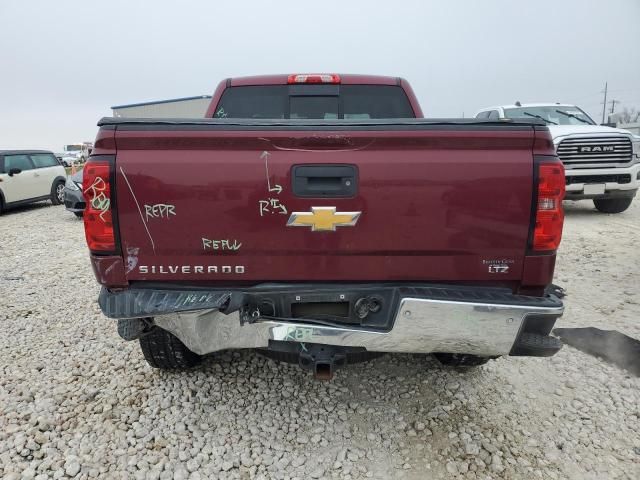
322,220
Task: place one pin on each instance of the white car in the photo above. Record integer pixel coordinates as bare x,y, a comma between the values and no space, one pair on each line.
30,176
601,163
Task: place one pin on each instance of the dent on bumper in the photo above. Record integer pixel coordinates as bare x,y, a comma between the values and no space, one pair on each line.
420,326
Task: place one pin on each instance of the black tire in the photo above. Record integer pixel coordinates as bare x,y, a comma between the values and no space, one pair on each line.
57,193
78,214
164,350
612,205
460,359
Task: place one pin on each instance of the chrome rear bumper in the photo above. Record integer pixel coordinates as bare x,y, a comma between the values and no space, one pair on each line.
420,326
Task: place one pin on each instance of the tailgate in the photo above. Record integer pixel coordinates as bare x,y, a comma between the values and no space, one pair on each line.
226,204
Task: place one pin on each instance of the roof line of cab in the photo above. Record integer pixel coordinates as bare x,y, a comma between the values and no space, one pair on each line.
282,79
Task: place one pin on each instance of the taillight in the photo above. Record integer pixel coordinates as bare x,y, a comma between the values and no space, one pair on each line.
549,214
98,219
314,78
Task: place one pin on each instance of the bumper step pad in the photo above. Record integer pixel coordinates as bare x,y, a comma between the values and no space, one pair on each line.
533,344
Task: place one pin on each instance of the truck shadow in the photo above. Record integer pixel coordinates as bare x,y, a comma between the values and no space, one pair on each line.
585,208
27,208
582,208
395,407
413,381
610,345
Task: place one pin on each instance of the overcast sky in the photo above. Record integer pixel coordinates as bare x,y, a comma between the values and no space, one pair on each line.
64,63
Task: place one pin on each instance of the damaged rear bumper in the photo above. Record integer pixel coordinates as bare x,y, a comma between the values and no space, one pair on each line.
417,319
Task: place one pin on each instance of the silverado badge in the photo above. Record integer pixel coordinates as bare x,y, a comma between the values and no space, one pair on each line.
323,219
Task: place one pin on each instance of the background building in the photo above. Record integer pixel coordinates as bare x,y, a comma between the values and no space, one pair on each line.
187,107
632,127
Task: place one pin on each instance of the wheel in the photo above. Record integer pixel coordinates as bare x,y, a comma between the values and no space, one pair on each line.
78,214
164,350
57,193
460,359
612,205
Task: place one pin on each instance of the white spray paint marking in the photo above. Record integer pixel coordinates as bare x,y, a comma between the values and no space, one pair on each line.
159,210
225,244
153,245
99,201
276,188
271,205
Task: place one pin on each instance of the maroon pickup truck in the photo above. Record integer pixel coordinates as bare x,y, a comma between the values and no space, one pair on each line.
321,220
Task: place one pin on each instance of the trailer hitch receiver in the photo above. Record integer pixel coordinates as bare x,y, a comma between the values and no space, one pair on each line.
322,360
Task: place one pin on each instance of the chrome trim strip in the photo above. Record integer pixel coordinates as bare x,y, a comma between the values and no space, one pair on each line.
420,326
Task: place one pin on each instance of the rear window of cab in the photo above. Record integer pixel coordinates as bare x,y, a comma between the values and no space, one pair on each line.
358,102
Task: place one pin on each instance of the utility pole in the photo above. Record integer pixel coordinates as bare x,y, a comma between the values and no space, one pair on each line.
613,106
604,104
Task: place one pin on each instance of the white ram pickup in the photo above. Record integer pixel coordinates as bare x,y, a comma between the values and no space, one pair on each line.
601,163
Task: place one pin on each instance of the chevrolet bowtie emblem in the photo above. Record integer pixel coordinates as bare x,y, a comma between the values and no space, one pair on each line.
323,219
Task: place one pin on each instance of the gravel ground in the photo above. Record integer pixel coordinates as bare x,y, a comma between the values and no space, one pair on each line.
77,401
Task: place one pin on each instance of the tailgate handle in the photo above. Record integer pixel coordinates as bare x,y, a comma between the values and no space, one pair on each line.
325,181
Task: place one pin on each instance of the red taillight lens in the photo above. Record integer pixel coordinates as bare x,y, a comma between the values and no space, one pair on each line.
549,214
98,220
314,78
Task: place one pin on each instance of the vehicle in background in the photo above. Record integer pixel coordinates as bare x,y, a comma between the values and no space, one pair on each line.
601,163
28,176
73,198
313,217
75,153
